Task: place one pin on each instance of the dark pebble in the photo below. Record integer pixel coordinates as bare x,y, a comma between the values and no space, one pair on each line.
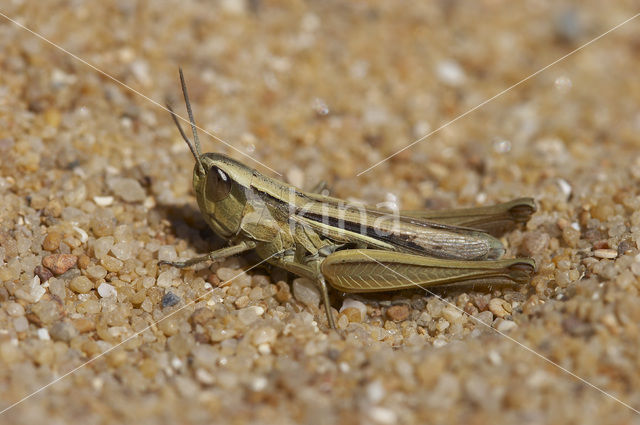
170,299
43,273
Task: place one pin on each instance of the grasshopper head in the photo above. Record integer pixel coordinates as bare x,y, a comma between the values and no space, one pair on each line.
221,189
220,183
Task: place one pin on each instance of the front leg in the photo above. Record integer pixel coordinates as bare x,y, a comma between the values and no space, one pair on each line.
310,267
213,255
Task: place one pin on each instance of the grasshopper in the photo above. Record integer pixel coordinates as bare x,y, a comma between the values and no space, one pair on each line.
349,247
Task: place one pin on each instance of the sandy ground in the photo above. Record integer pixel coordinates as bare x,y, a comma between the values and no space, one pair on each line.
95,188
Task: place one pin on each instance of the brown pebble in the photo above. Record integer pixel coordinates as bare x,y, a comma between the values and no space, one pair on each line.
353,314
202,338
563,223
59,263
38,202
169,326
91,348
43,273
242,301
148,368
81,284
52,117
481,300
534,243
602,211
398,313
577,327
499,307
33,318
155,294
284,292
83,261
470,309
202,316
213,279
53,208
602,244
139,297
52,241
112,264
83,325
625,246
571,236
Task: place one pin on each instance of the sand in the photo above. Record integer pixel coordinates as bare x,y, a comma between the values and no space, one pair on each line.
95,189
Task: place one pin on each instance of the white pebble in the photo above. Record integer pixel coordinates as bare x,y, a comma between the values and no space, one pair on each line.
504,325
250,314
450,73
306,292
204,377
97,384
264,335
635,266
452,314
605,253
442,324
43,334
103,201
565,187
176,363
102,246
233,7
165,279
376,391
495,357
14,309
149,202
167,253
563,84
439,342
226,274
33,292
501,145
320,107
259,383
84,237
264,349
106,290
382,415
123,250
126,188
295,176
424,319
484,317
152,246
20,324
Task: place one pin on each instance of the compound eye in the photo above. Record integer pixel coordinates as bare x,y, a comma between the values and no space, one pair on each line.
218,184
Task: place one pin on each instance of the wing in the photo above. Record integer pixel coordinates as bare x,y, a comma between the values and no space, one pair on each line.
342,222
494,219
369,270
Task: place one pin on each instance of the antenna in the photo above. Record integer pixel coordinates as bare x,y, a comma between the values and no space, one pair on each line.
184,136
195,149
194,130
